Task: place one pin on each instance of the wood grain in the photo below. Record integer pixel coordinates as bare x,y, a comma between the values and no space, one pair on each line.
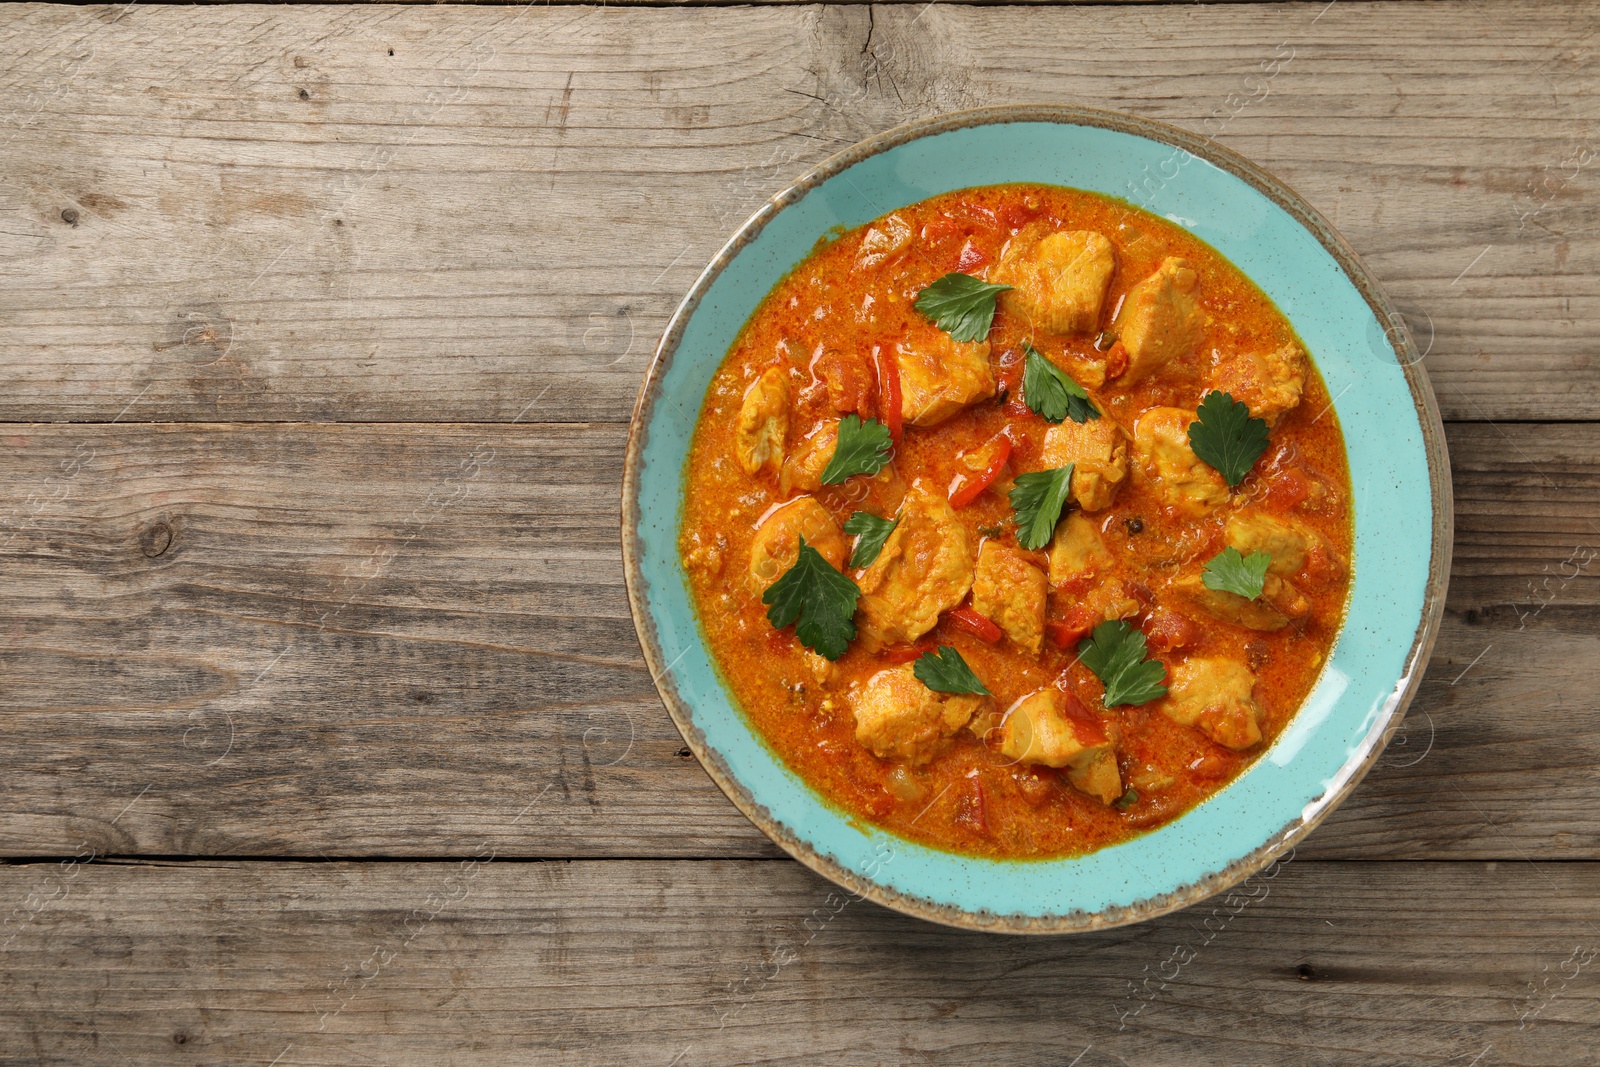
367,213
347,640
759,962
721,3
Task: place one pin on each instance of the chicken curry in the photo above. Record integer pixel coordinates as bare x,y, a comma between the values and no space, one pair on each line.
1018,521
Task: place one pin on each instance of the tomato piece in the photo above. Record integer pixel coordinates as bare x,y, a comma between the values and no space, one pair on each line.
1010,374
971,257
1015,216
1116,361
942,230
969,487
889,394
1288,489
1035,787
1209,767
1078,584
981,215
1010,378
969,621
904,654
849,382
1167,631
1066,633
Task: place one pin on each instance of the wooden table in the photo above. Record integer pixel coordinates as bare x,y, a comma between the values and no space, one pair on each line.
327,738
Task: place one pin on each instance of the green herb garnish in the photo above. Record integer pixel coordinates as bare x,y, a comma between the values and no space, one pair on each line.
1242,575
819,600
1115,652
1037,501
944,671
871,532
1051,393
1226,437
960,305
862,448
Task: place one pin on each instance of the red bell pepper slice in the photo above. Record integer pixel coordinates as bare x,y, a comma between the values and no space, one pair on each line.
889,394
905,653
970,487
970,622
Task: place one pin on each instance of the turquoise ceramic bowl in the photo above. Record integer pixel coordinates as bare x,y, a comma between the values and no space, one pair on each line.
1397,463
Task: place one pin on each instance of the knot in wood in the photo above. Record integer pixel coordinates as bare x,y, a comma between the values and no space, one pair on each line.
156,540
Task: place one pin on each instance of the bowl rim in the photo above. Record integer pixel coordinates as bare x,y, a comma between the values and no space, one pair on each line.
1431,426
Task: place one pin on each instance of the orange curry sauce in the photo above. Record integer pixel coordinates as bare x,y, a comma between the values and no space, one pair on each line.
819,327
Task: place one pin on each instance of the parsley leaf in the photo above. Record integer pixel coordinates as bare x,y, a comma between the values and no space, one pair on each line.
1037,500
1231,572
863,448
820,598
1226,437
1051,392
960,305
944,671
1116,654
1126,800
872,531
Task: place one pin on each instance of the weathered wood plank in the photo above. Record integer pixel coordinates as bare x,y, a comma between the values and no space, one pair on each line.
425,213
879,3
762,962
379,640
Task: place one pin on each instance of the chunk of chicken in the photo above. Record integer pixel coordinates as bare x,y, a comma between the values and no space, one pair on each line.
803,469
1268,383
1077,550
1292,545
1009,589
776,544
1099,777
925,568
896,715
1279,604
1163,456
1216,696
1161,321
1054,729
1098,451
940,376
760,433
1058,279
823,669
